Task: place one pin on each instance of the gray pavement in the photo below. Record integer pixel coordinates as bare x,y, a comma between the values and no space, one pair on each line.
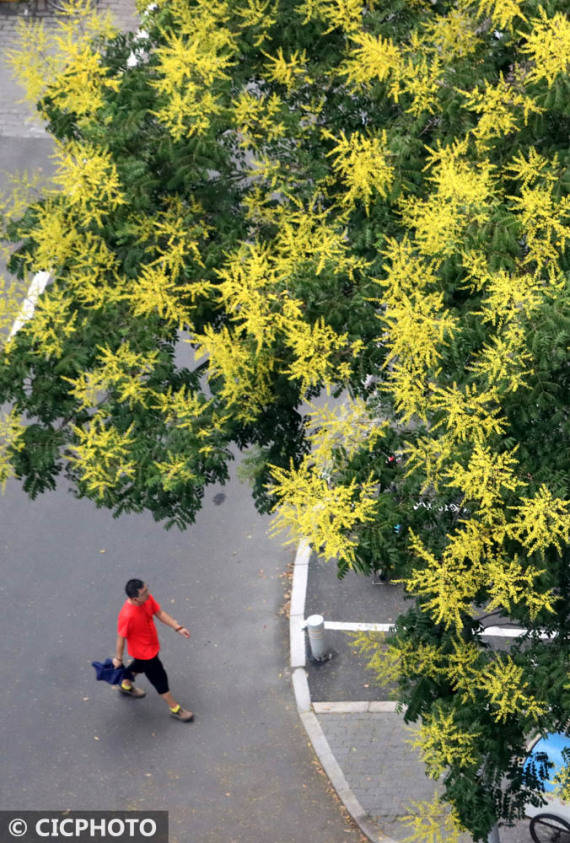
381,773
243,771
384,773
351,599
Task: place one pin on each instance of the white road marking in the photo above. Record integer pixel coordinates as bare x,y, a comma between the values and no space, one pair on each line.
488,632
36,288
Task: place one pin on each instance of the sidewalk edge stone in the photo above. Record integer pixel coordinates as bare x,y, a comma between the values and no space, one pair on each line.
300,576
297,609
336,777
297,641
301,688
303,699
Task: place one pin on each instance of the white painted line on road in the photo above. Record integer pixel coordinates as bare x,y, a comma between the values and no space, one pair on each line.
38,284
512,632
504,632
488,632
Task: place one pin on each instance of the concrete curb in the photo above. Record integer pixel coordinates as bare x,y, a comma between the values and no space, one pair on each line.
307,711
364,707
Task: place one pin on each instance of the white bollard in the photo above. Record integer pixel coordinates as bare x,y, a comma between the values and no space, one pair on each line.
316,630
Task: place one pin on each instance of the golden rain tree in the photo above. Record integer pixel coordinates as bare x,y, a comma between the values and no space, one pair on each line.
370,198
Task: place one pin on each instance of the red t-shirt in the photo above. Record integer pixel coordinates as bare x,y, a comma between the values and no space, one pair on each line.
136,624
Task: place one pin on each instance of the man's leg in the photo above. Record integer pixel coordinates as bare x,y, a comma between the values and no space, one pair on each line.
176,709
156,675
128,683
127,686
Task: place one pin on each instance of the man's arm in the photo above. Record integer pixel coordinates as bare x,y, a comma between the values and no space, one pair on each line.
169,621
119,650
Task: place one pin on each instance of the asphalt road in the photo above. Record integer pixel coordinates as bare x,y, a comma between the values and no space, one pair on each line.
244,770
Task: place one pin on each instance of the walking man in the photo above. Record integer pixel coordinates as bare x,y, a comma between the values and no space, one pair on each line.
136,626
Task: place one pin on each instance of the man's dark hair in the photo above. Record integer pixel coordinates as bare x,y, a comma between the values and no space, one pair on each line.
133,587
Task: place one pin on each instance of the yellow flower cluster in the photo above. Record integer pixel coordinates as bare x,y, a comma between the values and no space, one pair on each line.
314,346
12,294
453,35
487,474
421,78
338,14
548,47
534,168
154,291
182,408
65,58
256,118
415,323
504,362
309,239
289,72
324,514
467,413
542,215
501,107
502,12
89,180
55,319
364,165
123,370
433,822
11,439
195,57
372,58
503,683
443,743
174,472
102,455
541,521
472,561
347,426
245,377
257,14
406,70
463,193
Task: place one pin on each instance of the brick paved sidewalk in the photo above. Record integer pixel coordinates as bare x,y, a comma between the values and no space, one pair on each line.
384,772
382,769
367,738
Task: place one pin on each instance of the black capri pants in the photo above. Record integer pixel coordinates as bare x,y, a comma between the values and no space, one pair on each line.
154,671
